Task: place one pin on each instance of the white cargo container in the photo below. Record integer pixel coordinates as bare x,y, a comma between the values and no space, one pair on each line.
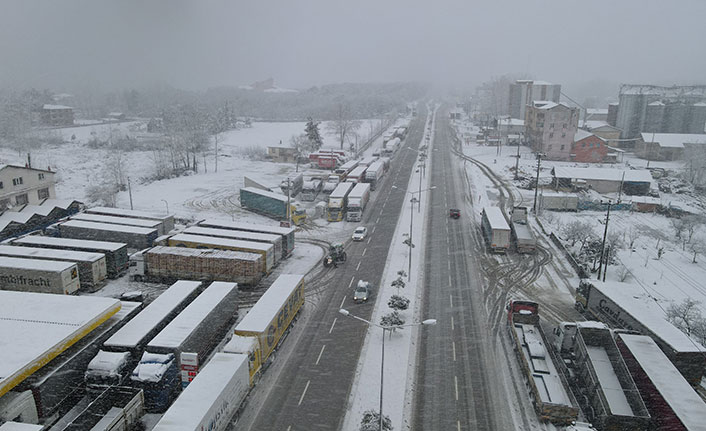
91,266
43,276
124,221
495,229
167,221
212,399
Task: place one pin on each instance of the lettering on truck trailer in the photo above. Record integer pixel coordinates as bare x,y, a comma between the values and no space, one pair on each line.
615,315
283,317
21,280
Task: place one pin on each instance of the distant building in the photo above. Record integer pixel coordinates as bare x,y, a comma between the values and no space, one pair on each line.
56,115
282,154
596,114
120,116
666,146
588,148
550,128
524,92
612,117
649,108
603,180
22,186
608,133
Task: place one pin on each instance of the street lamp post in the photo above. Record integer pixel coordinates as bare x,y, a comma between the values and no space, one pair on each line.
411,219
382,360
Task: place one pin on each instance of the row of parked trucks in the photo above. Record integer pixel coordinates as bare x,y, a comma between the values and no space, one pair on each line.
143,359
632,370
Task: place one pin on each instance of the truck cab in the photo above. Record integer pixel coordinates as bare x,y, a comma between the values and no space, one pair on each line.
565,333
137,268
298,215
107,369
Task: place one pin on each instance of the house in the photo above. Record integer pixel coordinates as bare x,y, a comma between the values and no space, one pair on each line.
56,115
550,129
22,185
603,180
610,134
666,146
597,114
282,154
511,126
588,148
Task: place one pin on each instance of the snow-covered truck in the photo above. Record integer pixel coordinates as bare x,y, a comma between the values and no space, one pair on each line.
617,305
268,238
173,263
42,276
311,189
270,204
331,184
495,229
133,236
266,251
522,236
266,324
118,408
292,185
608,395
374,174
547,385
357,201
167,222
212,399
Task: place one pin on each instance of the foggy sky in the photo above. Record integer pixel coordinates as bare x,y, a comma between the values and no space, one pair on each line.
203,43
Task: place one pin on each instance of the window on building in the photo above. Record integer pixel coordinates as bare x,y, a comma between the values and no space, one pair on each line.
583,145
43,193
41,176
21,199
551,135
564,125
562,148
17,181
551,126
563,135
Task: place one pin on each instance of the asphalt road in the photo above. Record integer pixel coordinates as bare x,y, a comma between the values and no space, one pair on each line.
312,390
458,383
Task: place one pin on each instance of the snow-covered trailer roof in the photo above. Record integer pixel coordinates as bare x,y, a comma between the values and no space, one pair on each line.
35,264
605,174
368,161
609,383
69,242
341,190
127,221
495,218
37,327
136,330
668,381
123,212
218,388
249,227
359,190
189,320
358,171
224,242
260,316
109,227
260,192
19,426
205,252
235,234
49,253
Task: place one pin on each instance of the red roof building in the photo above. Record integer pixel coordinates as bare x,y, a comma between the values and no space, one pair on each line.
588,148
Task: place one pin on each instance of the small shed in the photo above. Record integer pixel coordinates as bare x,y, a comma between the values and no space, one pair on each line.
603,180
645,204
282,154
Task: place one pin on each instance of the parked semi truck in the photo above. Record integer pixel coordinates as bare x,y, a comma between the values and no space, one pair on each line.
271,239
267,251
618,305
265,325
604,387
172,263
116,259
133,236
91,266
522,235
43,276
495,230
118,408
357,201
167,222
293,185
123,221
374,174
331,183
270,204
548,387
311,189
286,233
337,202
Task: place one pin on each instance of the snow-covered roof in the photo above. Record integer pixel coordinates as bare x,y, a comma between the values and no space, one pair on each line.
674,140
108,364
52,253
56,107
152,367
279,197
606,174
247,226
206,252
69,242
235,234
656,103
183,326
496,218
591,324
35,264
594,124
646,200
36,327
36,209
127,221
533,82
596,111
241,344
608,380
627,296
682,398
265,310
582,134
109,227
223,242
124,212
215,386
58,203
134,331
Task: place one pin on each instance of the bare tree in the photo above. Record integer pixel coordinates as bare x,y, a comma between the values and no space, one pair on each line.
698,245
301,145
343,125
577,231
633,234
678,225
691,223
686,315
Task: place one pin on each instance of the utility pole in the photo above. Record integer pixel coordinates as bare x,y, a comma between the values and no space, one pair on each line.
605,235
289,208
536,186
517,162
419,204
216,152
620,191
129,189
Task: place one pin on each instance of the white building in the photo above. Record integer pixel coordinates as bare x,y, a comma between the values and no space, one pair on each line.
21,186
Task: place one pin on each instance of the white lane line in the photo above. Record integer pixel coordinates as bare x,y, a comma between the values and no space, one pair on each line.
455,386
449,265
451,299
448,249
381,212
332,325
304,393
351,283
377,221
371,236
322,352
358,267
342,301
374,227
289,428
452,322
458,425
453,346
364,250
449,280
383,205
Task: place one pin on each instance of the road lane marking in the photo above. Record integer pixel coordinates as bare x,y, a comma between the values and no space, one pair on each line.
351,283
321,353
377,221
358,267
333,324
381,211
455,386
449,265
452,323
304,393
374,227
458,425
383,205
364,250
453,345
370,237
342,301
451,299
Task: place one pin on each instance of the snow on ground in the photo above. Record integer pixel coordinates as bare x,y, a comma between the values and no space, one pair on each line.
399,345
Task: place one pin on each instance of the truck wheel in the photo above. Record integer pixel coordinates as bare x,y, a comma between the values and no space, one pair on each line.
326,264
344,256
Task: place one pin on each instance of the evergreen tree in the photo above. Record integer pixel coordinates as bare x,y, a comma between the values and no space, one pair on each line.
312,132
